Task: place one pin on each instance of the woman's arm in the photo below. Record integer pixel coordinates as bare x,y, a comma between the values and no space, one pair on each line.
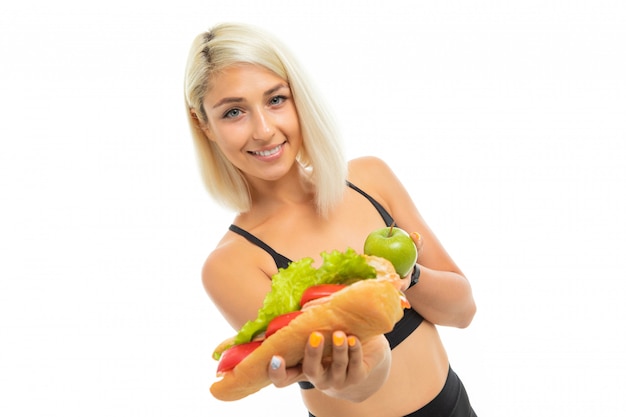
443,295
234,281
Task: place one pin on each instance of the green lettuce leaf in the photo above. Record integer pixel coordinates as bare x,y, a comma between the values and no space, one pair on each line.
289,284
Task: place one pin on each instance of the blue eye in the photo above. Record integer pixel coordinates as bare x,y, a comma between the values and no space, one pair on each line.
277,100
232,113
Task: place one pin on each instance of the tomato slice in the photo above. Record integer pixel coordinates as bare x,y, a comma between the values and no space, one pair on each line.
319,291
232,356
281,321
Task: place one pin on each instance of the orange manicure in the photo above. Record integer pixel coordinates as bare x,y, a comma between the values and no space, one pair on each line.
315,339
338,339
351,341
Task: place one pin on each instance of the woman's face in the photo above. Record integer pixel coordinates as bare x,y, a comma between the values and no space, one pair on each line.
252,118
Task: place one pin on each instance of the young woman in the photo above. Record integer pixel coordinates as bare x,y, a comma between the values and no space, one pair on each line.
268,149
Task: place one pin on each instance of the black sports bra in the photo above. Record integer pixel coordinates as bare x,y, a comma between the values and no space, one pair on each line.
281,260
403,328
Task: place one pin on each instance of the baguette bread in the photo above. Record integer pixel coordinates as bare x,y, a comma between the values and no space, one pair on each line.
364,309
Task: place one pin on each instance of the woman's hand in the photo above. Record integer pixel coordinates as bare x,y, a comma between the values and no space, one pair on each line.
419,243
353,372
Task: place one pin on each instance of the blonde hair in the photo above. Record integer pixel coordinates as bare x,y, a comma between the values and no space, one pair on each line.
230,44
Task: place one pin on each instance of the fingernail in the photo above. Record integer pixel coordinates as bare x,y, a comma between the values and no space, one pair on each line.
275,362
351,341
338,339
315,339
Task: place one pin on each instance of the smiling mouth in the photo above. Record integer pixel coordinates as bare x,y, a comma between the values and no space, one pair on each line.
268,152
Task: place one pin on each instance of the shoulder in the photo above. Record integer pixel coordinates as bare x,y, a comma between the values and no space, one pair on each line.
368,168
217,264
365,162
374,176
371,174
232,257
235,275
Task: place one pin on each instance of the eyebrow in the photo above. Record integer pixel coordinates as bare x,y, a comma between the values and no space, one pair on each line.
229,100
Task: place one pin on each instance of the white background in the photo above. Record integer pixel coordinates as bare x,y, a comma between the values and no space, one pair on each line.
506,120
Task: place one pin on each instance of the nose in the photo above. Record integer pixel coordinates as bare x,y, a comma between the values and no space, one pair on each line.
263,126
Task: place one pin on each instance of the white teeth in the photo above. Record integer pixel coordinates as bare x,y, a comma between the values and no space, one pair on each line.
268,152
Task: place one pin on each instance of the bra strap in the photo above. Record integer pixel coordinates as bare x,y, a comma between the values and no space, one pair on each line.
384,214
281,261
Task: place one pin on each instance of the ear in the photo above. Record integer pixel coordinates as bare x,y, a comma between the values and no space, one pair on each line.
203,126
207,131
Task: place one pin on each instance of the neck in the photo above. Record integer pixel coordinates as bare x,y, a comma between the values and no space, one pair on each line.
295,188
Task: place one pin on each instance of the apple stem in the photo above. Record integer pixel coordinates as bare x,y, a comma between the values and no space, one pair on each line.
391,228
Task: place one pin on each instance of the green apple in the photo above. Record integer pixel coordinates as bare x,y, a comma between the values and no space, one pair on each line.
395,245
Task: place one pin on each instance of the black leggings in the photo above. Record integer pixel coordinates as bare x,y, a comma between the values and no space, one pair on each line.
452,401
